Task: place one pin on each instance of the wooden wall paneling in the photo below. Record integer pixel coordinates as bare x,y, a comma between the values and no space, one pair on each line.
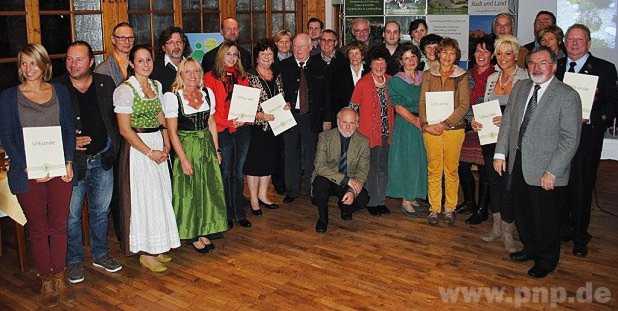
313,8
33,21
110,19
227,8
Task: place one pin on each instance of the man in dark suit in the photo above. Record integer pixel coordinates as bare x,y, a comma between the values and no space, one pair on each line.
172,48
391,37
578,199
341,169
97,144
230,31
539,136
299,83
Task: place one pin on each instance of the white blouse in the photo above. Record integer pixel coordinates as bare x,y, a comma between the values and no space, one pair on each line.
356,77
170,104
123,94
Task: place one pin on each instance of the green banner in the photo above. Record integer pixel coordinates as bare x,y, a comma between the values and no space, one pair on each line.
364,7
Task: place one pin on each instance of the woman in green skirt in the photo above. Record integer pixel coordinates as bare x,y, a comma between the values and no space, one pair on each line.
198,196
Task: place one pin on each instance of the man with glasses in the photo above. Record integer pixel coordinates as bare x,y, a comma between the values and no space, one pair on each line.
116,65
172,48
361,32
537,140
230,31
577,200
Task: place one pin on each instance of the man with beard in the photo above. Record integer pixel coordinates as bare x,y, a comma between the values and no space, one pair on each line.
172,48
97,144
341,169
538,137
230,31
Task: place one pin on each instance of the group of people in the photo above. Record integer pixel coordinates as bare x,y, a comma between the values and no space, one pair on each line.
362,134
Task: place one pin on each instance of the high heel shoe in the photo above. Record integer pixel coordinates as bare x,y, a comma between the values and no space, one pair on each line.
268,206
256,212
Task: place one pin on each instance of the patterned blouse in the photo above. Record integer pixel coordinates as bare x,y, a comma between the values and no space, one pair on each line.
269,90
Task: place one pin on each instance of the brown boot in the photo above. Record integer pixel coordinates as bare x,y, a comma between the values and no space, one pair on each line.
49,295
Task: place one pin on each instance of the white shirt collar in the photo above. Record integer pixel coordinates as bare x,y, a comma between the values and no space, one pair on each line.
168,60
305,62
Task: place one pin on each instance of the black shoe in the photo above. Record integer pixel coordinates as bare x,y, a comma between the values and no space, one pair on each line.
373,210
476,218
538,272
383,209
288,199
520,256
256,212
321,226
580,251
202,250
230,224
465,207
566,237
268,206
280,190
244,223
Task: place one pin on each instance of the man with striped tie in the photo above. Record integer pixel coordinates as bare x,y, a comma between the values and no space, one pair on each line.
341,169
537,140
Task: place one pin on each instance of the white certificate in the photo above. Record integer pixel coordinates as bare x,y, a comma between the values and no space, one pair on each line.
586,86
439,106
244,103
44,152
484,113
283,118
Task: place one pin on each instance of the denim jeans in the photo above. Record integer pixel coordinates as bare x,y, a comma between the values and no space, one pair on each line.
234,148
98,185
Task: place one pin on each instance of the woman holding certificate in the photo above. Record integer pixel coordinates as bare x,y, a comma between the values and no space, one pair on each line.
263,155
377,116
407,162
34,104
146,201
444,101
499,86
233,136
197,196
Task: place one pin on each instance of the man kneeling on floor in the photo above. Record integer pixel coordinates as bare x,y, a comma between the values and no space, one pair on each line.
341,169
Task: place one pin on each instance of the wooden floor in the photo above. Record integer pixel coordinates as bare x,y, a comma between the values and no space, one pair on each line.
383,263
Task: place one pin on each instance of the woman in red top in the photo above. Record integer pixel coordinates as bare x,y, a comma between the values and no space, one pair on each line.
233,136
377,117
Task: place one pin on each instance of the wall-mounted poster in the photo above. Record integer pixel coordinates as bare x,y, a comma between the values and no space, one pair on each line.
404,22
201,43
364,7
447,7
405,7
480,25
376,25
452,26
487,7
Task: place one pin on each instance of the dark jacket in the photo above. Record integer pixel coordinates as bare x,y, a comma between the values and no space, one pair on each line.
12,138
208,61
343,86
164,74
324,73
290,75
606,97
105,91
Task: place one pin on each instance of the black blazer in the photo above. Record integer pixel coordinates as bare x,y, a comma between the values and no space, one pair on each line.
208,61
164,74
606,97
343,87
290,76
324,74
105,91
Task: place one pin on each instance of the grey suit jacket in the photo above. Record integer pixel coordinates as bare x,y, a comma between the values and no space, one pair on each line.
552,136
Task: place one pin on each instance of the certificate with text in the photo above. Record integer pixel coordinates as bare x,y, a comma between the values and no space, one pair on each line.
44,152
244,103
485,113
284,120
439,106
586,86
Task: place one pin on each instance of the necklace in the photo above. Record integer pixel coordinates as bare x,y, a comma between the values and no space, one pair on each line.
265,82
194,99
502,85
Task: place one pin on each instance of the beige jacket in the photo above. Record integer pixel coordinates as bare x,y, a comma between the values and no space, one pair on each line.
458,82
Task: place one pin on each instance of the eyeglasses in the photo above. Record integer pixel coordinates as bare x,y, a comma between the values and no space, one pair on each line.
125,39
543,63
360,30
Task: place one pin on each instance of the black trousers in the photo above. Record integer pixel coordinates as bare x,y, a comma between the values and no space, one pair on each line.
537,218
500,200
577,197
324,188
299,145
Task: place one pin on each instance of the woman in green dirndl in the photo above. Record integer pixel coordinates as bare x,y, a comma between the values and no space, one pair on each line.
198,196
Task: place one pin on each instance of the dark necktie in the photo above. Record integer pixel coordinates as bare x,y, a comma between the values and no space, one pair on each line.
343,162
170,67
572,66
532,104
303,91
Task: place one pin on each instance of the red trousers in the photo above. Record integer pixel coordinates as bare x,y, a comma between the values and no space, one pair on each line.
46,206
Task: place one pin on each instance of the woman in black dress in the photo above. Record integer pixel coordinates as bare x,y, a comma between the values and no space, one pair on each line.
263,150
